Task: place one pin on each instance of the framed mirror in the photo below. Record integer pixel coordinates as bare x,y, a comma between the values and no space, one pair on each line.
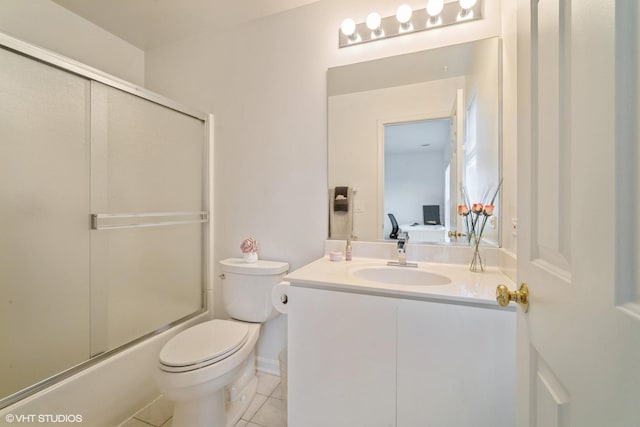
407,135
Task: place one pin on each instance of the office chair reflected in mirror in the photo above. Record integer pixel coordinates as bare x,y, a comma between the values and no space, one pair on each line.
394,227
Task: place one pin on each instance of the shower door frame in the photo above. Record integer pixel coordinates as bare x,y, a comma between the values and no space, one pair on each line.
92,74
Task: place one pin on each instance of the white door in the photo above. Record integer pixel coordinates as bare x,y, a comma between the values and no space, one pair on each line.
578,347
456,133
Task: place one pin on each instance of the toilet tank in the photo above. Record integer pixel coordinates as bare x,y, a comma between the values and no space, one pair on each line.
246,288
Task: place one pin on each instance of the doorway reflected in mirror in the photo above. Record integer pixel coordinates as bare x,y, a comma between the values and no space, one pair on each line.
416,164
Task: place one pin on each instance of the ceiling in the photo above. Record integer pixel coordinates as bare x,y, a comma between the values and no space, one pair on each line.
147,24
424,136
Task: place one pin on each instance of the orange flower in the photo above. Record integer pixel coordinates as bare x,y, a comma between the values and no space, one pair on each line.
488,210
477,208
463,210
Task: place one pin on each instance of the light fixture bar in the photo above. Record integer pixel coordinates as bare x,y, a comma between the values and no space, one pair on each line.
420,21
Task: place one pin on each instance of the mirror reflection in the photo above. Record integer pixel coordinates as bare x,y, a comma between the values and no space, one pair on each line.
406,134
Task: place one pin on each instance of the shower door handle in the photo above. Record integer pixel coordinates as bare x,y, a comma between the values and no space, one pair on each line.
154,219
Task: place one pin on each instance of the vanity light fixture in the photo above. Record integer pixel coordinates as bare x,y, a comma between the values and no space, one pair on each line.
467,9
403,15
373,23
348,29
407,21
434,8
467,4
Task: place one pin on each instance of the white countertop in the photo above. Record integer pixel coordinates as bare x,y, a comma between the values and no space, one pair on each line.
466,287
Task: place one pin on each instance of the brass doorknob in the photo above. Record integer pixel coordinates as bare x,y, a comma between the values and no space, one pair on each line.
455,234
521,296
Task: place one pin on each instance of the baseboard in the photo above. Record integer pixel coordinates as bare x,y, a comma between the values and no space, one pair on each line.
268,366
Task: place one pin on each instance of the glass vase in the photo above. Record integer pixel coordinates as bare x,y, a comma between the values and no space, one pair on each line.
477,264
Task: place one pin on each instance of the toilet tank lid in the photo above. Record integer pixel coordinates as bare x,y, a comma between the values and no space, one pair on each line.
260,267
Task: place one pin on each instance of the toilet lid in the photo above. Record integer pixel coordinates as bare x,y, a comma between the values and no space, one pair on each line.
203,344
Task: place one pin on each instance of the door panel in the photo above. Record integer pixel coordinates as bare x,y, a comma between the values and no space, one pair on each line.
577,350
44,235
628,157
147,171
342,375
552,399
551,140
447,350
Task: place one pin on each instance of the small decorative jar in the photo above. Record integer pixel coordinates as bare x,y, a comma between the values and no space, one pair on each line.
250,256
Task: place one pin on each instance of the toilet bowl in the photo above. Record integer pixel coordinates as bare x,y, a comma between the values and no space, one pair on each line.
196,385
209,370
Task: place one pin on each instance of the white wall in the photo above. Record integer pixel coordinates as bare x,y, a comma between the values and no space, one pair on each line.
49,25
265,82
412,180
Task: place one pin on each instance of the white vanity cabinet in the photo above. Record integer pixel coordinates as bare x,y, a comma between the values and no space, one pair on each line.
342,359
455,365
366,360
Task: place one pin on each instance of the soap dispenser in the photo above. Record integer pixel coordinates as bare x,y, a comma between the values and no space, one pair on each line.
347,252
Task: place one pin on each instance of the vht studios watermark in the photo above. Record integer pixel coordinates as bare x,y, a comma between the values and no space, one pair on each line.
43,418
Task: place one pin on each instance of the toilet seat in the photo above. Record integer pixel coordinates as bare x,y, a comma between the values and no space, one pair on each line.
203,345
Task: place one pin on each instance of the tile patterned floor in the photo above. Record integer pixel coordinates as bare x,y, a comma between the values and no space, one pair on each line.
266,410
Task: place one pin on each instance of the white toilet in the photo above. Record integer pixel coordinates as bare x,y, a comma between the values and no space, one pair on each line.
208,370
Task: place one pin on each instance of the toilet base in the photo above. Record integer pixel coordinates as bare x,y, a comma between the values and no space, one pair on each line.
212,411
237,408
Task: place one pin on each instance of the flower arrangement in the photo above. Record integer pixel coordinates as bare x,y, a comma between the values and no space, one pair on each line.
249,248
475,218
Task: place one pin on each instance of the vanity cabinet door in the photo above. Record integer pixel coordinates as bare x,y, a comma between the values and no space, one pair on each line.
342,359
456,365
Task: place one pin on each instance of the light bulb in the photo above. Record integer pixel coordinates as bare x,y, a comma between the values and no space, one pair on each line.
373,21
348,27
434,7
403,15
467,4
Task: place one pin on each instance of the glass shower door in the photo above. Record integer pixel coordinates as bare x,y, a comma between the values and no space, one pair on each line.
44,216
103,217
149,205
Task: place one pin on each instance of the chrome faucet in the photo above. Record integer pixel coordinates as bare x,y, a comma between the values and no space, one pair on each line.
403,239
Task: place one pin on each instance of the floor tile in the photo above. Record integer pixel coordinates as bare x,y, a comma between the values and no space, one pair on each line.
277,393
256,403
267,383
267,409
271,414
157,412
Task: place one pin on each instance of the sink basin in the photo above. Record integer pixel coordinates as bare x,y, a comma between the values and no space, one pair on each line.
401,276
